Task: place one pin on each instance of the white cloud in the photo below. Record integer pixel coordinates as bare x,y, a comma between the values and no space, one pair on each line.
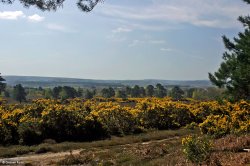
15,15
35,18
11,15
116,38
135,43
157,41
166,49
207,13
60,28
146,41
121,30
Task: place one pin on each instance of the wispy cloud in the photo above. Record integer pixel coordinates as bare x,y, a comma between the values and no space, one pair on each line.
157,41
11,15
146,41
121,30
166,49
207,13
135,43
59,27
35,18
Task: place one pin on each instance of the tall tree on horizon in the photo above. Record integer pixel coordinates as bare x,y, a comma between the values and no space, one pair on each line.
150,91
19,93
234,72
160,91
177,93
2,84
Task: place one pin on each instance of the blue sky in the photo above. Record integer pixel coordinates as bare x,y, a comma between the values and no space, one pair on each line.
119,39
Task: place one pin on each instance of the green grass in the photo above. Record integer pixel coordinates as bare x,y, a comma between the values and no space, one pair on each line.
17,150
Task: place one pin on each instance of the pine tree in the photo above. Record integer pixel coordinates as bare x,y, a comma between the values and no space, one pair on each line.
2,84
48,5
19,93
234,71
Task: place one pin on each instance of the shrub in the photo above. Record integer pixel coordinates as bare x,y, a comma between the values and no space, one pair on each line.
191,126
61,125
5,134
118,120
196,149
29,133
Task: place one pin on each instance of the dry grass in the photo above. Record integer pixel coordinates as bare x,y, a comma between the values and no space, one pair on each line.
167,152
161,148
51,146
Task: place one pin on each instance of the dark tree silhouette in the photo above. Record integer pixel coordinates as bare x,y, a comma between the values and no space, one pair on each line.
53,5
2,84
19,93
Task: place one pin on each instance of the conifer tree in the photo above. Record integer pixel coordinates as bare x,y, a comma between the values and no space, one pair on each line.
48,5
2,84
19,93
234,72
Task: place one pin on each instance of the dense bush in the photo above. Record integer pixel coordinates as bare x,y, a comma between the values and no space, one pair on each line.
29,133
236,121
5,134
164,114
118,120
80,120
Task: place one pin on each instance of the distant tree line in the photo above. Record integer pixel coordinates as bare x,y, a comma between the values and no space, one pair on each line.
25,94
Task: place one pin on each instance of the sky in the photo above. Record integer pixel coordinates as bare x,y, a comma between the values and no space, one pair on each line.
119,39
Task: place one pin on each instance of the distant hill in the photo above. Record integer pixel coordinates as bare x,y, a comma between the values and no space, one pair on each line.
35,81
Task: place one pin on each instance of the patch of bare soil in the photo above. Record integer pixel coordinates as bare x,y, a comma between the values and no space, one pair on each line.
39,159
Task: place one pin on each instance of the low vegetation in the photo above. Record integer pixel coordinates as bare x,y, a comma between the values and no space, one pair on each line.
88,120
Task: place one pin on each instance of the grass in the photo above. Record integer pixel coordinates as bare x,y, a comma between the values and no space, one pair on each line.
151,153
51,146
164,152
146,149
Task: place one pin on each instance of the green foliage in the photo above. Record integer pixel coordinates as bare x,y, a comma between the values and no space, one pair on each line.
136,91
118,120
160,91
29,133
5,134
108,92
233,73
2,84
150,91
121,94
62,125
19,93
89,94
210,93
196,149
191,126
56,91
48,5
164,116
67,93
48,94
177,93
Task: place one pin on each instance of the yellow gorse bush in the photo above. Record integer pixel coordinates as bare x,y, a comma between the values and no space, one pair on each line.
80,119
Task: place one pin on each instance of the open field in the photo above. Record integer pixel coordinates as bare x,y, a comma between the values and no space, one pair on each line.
152,148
